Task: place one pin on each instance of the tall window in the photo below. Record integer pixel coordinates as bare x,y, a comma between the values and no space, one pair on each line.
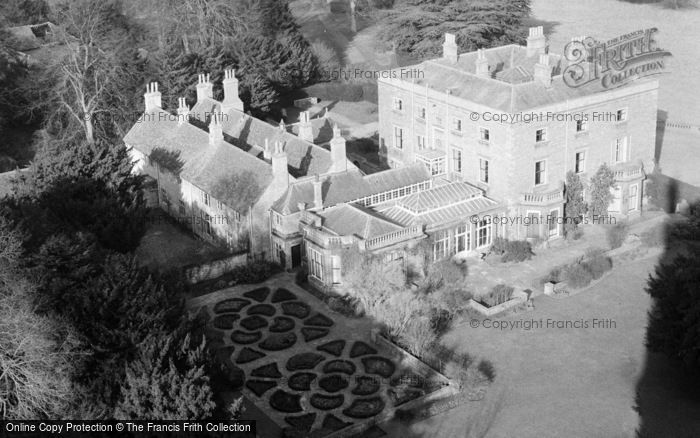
541,135
633,198
457,124
581,125
335,266
457,160
437,138
315,264
540,173
207,224
580,165
398,104
621,115
206,199
483,233
484,170
420,142
421,113
462,238
181,209
620,149
398,137
441,245
484,134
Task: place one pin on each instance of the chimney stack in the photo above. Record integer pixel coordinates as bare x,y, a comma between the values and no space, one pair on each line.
204,87
306,131
280,172
282,126
183,111
543,71
216,132
536,42
482,64
339,161
318,193
450,49
152,98
231,98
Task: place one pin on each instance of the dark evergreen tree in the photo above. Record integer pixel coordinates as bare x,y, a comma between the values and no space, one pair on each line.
575,206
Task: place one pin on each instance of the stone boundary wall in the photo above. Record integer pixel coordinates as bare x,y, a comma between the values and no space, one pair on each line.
519,297
214,269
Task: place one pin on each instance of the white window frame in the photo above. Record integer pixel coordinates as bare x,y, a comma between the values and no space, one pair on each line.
484,134
621,115
531,213
484,178
635,197
398,137
398,104
315,264
556,225
463,231
422,111
206,198
582,168
543,137
421,142
483,225
581,125
456,124
335,269
624,152
457,160
441,238
543,172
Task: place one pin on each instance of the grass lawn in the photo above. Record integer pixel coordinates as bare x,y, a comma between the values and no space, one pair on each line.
165,246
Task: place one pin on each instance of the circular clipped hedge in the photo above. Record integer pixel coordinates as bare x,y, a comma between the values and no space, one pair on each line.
339,366
230,305
253,323
260,294
223,354
260,387
245,338
366,385
359,348
282,294
319,320
326,402
301,381
333,383
301,422
311,333
270,371
297,309
261,309
304,361
333,423
282,324
334,347
285,402
225,321
278,341
248,355
378,365
364,407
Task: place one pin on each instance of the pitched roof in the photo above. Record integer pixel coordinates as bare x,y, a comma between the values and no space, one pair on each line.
322,128
22,38
349,186
352,220
204,164
438,205
303,158
509,87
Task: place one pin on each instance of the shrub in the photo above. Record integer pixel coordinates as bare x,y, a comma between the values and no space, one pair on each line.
598,265
301,381
304,361
334,347
269,371
576,234
260,387
282,295
333,423
282,324
359,348
333,383
301,422
301,277
285,402
339,366
418,335
311,333
512,250
346,306
498,295
326,402
248,355
366,385
297,309
616,234
261,309
486,368
260,294
577,275
230,305
278,341
364,408
255,272
225,321
653,237
254,322
319,320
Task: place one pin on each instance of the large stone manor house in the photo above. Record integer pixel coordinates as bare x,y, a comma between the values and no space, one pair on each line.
278,193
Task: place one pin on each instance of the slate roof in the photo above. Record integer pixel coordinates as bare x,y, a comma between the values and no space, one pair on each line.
352,220
321,127
349,186
510,88
438,205
303,158
204,165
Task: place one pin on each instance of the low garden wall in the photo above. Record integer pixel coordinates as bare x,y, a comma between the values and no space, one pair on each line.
214,269
519,297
